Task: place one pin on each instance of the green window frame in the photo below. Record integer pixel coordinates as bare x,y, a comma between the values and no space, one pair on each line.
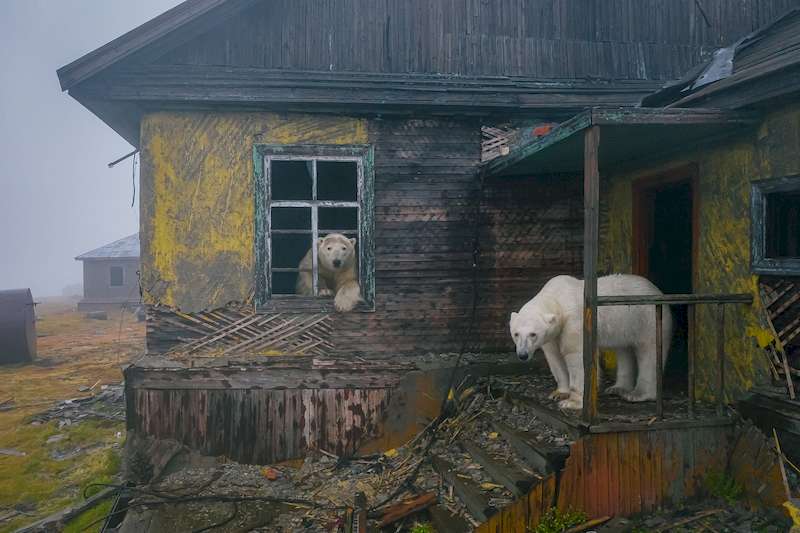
762,193
263,156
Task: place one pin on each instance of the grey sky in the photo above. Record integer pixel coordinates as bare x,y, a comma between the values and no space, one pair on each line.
57,196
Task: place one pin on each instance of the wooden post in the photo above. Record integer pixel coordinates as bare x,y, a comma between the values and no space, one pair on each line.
591,204
659,362
721,359
691,347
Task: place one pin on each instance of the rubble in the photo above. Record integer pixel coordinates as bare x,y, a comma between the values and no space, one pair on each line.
107,404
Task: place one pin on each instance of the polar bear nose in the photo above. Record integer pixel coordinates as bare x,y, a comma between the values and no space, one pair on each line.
337,263
522,356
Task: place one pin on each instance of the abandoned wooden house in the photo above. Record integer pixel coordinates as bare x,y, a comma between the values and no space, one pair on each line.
470,151
111,276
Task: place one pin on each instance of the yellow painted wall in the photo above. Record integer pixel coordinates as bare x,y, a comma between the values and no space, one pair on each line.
726,171
197,225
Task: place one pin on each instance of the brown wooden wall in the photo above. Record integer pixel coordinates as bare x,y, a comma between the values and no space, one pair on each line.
259,426
426,190
611,39
629,473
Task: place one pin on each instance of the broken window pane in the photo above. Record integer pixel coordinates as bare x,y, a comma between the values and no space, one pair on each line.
338,220
284,282
291,180
288,249
291,218
783,224
337,180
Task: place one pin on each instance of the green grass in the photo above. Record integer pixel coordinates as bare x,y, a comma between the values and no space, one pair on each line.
89,520
422,528
556,521
45,485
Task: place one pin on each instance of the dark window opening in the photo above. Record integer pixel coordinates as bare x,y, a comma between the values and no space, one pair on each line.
116,274
782,224
308,199
775,226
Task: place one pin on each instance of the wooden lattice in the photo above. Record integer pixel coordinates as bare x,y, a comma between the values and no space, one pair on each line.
237,331
495,141
781,300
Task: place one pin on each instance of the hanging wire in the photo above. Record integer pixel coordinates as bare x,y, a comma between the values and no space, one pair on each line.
133,176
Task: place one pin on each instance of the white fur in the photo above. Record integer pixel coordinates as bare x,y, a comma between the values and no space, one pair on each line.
553,321
336,258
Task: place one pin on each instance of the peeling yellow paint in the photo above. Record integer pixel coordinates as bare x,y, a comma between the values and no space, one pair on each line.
197,225
726,172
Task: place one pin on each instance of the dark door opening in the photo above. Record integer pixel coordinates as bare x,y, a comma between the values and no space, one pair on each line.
664,223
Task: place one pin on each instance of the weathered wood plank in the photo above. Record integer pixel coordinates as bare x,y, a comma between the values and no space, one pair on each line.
466,490
511,479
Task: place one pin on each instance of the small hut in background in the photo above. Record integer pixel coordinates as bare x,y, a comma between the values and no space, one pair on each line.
110,276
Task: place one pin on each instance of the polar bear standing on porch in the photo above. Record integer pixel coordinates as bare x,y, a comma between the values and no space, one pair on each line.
336,258
553,321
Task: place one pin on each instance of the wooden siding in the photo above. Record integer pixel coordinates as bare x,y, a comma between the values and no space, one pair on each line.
556,39
524,514
426,194
628,473
259,426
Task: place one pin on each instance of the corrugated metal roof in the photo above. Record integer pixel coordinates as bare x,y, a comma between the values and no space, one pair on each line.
125,247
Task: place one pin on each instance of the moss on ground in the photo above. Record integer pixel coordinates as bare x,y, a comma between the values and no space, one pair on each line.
73,352
90,520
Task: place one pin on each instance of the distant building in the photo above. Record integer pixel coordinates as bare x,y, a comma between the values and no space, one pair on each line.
110,275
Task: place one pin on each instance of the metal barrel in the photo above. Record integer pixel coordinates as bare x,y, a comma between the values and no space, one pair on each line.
17,326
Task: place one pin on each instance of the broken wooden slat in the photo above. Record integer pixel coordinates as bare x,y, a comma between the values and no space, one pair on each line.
466,490
446,522
548,416
512,480
407,507
544,459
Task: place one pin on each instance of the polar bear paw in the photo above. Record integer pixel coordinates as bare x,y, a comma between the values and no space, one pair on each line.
618,390
559,395
570,403
638,396
346,299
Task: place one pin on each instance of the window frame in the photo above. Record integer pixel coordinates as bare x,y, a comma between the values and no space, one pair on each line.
111,278
759,262
363,156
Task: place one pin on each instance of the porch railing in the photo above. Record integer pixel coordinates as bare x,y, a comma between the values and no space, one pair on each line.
691,300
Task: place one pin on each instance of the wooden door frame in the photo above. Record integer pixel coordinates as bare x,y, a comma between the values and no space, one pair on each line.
642,232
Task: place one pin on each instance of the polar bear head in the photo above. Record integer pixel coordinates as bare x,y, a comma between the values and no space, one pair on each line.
531,330
336,252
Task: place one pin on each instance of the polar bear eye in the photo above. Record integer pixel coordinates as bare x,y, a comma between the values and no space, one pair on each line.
516,335
329,248
533,335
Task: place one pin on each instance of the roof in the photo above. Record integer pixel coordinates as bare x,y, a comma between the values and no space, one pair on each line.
626,133
189,13
547,58
125,248
760,66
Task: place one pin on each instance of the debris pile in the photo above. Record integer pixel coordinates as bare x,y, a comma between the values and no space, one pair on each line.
108,404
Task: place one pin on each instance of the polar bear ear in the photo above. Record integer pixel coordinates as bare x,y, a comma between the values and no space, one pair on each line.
320,241
513,316
353,241
549,319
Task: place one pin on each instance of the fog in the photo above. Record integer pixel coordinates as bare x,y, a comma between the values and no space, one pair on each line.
58,198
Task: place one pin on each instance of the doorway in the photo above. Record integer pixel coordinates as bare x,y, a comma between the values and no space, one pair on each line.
664,222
